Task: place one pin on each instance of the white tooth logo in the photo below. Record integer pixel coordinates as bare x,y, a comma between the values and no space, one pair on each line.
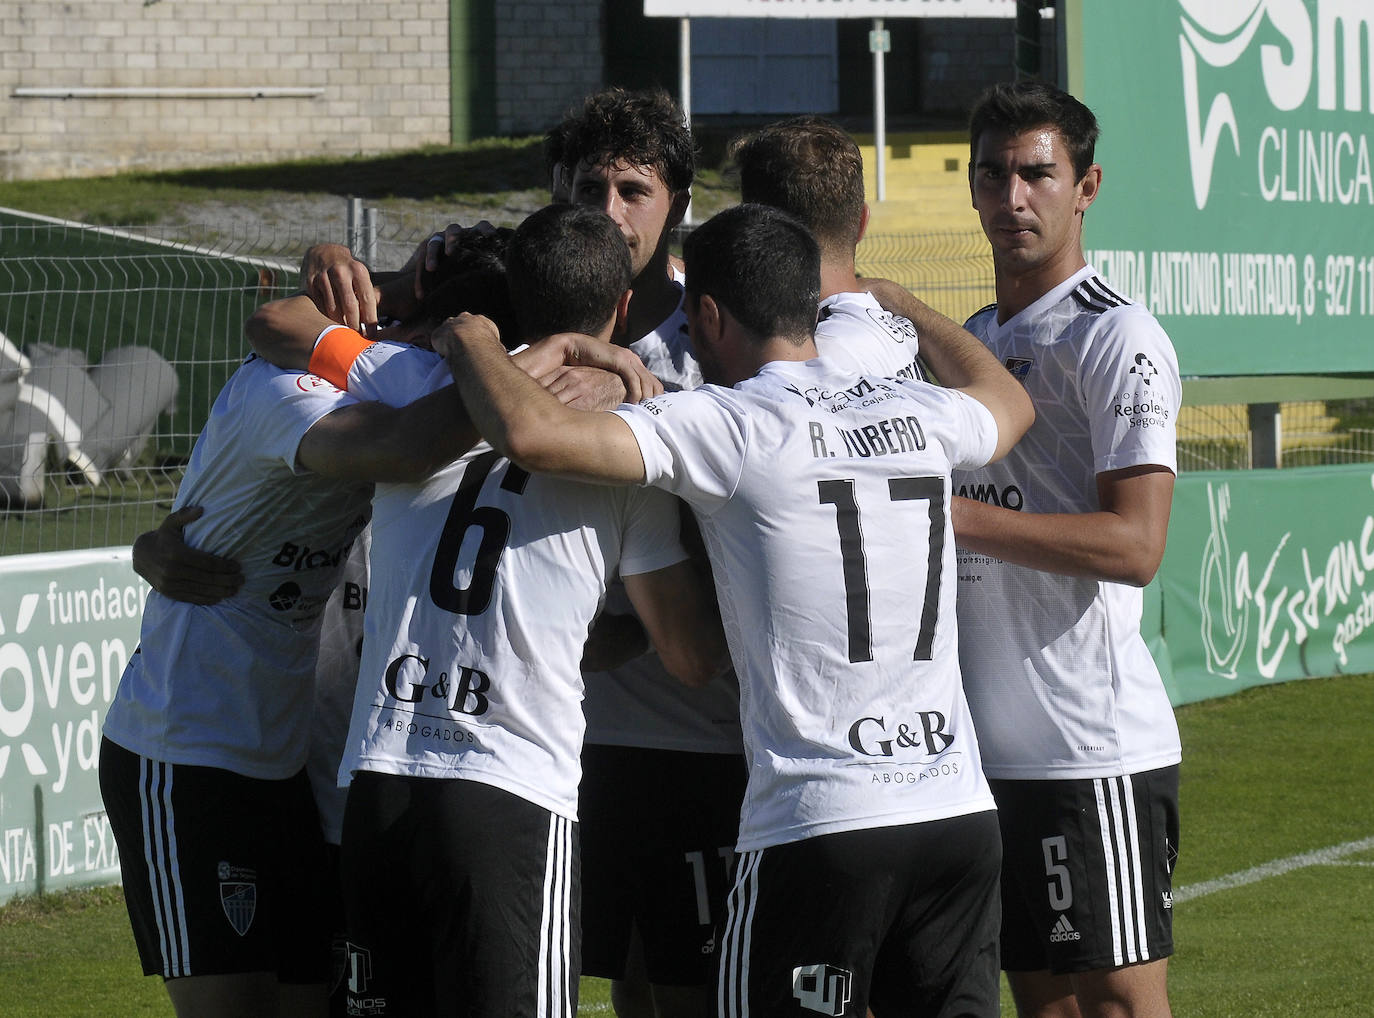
1218,32
1238,20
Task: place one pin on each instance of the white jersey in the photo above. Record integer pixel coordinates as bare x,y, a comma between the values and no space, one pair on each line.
336,683
667,351
230,685
823,499
639,703
484,582
853,331
1058,675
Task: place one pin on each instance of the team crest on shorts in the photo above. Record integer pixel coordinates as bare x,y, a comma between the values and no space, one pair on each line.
238,896
825,989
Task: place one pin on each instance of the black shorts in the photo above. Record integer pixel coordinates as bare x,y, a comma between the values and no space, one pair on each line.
1087,871
900,918
222,874
461,900
658,833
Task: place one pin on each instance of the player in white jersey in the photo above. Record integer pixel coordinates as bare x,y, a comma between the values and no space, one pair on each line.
663,766
463,751
204,744
870,849
1055,541
812,170
655,854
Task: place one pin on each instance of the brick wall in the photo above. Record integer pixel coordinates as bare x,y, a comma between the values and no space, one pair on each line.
381,68
961,56
548,56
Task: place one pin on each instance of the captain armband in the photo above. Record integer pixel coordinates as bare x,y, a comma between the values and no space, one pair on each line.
336,348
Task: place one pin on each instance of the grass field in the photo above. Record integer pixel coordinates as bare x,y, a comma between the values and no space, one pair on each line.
1274,892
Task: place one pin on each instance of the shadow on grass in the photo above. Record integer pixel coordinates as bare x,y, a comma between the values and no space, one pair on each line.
499,165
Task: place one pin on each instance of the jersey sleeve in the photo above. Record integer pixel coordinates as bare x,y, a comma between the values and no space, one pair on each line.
278,413
653,531
391,373
1131,391
971,438
693,444
977,433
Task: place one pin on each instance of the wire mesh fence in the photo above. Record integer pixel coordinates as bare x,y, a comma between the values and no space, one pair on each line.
114,343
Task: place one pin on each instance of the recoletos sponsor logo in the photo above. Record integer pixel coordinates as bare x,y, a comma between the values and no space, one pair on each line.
1319,43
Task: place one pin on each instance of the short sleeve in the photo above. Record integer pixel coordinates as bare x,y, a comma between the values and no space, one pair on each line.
281,407
971,437
396,373
1131,391
693,444
652,537
977,433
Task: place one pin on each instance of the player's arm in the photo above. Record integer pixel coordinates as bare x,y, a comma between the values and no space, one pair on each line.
176,570
283,332
678,608
525,422
1123,542
376,442
961,362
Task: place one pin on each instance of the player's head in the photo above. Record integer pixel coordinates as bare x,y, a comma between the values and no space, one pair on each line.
567,267
1032,179
1017,107
631,155
556,169
470,278
762,268
809,168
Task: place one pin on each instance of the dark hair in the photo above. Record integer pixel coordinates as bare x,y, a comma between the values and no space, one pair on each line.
556,171
761,265
567,267
1014,108
809,168
615,127
471,278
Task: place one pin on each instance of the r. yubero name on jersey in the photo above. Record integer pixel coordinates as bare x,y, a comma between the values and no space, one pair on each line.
850,694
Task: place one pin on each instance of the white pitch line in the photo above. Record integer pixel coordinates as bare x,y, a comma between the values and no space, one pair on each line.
1277,868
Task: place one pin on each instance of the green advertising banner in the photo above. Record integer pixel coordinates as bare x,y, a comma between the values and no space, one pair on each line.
1268,576
68,623
1237,196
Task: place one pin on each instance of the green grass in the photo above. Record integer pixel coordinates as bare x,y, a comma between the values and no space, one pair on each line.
1268,774
84,517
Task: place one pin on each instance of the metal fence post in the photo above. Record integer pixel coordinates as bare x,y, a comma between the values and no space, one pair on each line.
353,225
1266,435
368,245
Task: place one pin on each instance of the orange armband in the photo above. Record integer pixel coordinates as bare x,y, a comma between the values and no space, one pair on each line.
335,351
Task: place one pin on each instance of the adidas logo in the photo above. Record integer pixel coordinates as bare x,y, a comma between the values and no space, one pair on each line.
1063,931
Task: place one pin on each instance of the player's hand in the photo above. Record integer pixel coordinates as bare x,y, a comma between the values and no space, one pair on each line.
885,291
585,388
613,640
438,246
464,328
340,285
583,351
176,570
